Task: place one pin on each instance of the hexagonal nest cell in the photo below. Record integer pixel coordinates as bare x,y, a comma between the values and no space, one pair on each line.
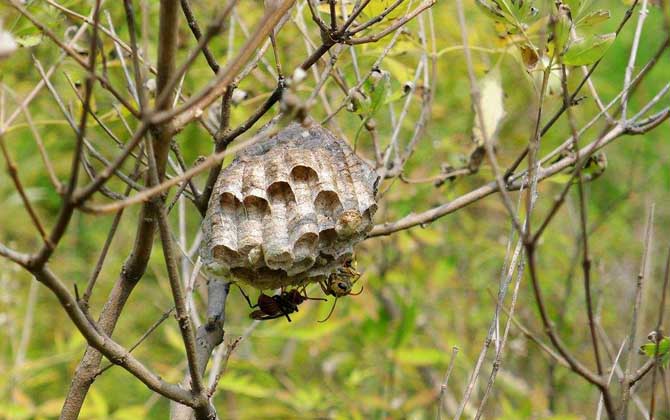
288,211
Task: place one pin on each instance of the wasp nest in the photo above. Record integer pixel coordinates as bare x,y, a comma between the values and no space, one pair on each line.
289,210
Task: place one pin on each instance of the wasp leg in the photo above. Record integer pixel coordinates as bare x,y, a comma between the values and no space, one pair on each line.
323,287
329,313
356,294
246,297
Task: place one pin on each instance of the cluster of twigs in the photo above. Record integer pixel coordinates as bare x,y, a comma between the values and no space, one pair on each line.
150,146
153,97
571,154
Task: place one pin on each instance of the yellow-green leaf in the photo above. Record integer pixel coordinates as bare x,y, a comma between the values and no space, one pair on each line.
588,51
420,356
28,40
594,18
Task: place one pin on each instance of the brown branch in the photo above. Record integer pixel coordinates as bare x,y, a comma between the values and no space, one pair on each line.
86,106
197,33
136,264
316,18
391,28
358,28
209,335
137,69
143,337
488,189
575,365
15,256
183,318
194,106
111,349
586,259
204,410
166,94
105,247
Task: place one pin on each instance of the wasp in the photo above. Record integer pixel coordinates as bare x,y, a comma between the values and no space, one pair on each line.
340,283
279,305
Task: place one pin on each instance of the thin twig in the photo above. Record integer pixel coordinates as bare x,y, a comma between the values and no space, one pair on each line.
632,336
445,381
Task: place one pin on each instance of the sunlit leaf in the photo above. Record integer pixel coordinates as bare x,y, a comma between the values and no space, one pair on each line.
490,8
560,178
407,325
50,408
650,349
313,331
173,337
574,5
378,94
421,356
29,40
588,51
16,411
243,385
594,18
377,7
130,412
398,70
562,28
96,406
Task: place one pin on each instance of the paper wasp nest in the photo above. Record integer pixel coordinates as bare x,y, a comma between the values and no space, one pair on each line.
289,210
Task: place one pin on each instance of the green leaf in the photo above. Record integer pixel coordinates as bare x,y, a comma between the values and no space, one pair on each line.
588,51
663,347
421,356
29,40
399,70
130,412
378,94
490,9
173,337
406,327
243,385
594,18
573,5
376,7
16,411
561,179
96,407
562,32
312,332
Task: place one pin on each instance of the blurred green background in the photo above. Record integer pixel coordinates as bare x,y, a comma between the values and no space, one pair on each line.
383,353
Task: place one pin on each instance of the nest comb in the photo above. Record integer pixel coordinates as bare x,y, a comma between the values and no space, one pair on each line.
289,210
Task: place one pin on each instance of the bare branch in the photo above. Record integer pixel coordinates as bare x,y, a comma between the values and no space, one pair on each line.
194,106
395,25
112,350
